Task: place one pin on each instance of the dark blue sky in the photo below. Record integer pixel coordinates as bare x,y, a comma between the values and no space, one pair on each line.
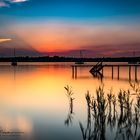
73,8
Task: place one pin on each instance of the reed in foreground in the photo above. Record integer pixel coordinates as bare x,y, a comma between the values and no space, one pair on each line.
102,114
69,94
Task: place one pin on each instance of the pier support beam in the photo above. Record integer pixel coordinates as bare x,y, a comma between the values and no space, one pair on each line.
129,73
112,72
118,72
135,73
75,72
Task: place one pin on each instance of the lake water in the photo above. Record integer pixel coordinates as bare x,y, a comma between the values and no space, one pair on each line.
34,105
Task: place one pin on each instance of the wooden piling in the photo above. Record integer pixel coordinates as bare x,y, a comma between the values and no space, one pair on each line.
75,72
118,72
135,73
130,73
112,72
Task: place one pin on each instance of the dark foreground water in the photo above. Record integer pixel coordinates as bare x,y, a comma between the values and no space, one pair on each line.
34,104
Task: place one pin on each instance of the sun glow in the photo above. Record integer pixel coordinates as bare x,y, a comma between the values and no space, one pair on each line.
56,36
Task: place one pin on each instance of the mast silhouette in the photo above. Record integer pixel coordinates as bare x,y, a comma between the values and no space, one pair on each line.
14,62
80,59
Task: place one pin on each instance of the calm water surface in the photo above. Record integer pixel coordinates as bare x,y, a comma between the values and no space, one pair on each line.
33,100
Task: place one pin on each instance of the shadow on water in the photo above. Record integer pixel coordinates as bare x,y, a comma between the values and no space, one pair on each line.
110,116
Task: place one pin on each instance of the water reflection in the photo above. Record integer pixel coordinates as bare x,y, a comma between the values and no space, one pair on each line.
17,127
34,101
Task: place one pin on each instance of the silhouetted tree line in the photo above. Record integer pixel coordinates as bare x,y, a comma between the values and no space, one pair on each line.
68,59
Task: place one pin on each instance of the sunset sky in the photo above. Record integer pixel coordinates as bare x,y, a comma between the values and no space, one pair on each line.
64,27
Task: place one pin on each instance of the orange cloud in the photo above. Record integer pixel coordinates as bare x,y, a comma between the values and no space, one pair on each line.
57,36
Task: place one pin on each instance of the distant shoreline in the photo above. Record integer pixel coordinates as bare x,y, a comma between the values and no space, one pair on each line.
68,59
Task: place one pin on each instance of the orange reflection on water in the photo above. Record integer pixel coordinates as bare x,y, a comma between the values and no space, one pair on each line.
39,89
33,96
42,87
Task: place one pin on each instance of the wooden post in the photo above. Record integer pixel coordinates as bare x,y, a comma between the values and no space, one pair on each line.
118,72
136,73
112,71
72,71
130,73
75,71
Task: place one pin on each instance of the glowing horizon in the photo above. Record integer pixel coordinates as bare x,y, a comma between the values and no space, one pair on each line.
56,36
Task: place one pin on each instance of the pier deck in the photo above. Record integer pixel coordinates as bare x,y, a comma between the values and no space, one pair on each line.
75,66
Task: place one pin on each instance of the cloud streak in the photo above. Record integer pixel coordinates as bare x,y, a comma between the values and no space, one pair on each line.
7,3
5,39
17,1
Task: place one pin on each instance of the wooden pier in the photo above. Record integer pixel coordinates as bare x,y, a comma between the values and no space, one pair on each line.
101,69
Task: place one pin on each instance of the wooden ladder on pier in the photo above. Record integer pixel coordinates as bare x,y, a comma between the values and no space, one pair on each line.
95,70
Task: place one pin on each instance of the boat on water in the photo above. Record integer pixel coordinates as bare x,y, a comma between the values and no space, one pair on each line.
14,62
131,62
80,62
